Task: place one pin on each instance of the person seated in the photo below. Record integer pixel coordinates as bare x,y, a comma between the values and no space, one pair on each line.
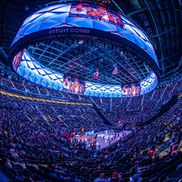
101,178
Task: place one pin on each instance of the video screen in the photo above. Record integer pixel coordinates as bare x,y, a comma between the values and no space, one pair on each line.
131,90
73,85
96,13
17,60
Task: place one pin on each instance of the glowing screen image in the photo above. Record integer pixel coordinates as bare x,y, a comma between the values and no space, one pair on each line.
71,19
95,12
131,90
73,85
17,60
87,16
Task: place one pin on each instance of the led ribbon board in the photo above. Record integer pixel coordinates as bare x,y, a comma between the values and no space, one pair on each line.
57,21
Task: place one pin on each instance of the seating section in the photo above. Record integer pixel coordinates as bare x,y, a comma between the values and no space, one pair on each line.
36,138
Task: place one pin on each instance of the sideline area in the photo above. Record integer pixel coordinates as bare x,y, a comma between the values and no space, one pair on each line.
101,139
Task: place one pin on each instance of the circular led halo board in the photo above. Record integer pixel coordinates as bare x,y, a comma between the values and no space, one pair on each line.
85,49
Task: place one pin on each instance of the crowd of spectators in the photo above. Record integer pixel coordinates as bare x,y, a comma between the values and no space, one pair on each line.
137,109
34,141
36,138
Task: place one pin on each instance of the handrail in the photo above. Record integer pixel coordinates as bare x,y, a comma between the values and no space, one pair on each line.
43,100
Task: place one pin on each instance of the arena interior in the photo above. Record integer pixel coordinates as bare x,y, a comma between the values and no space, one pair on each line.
91,90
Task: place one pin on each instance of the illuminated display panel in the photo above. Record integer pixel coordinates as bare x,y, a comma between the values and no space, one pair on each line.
101,90
36,73
80,16
131,90
31,70
17,60
96,13
87,16
73,85
149,83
